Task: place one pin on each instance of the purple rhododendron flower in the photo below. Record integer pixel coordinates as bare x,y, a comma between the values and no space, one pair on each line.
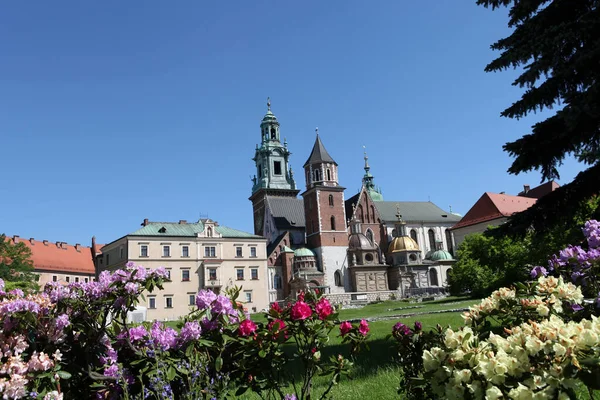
222,305
576,307
190,331
112,371
161,272
17,293
538,271
204,299
137,333
165,338
131,287
209,325
290,397
62,321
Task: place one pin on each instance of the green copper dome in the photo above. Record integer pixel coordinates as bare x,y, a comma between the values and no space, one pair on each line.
440,255
303,252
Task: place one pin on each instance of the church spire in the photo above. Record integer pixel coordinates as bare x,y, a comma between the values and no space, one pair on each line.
368,180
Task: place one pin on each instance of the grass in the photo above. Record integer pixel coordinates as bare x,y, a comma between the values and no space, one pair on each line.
375,374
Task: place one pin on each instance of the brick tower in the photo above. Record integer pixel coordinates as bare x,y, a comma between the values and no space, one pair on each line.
326,232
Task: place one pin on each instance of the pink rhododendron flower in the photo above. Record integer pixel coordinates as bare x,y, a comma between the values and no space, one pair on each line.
275,307
345,327
363,327
323,308
247,327
301,311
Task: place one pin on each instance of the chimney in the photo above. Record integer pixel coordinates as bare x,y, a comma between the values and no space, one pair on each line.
32,241
145,222
94,249
78,247
45,242
16,239
502,192
182,221
526,189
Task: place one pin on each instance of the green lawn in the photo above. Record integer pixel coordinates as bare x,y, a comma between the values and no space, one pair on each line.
375,374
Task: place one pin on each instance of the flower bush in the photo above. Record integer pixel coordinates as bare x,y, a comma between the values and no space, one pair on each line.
75,340
537,340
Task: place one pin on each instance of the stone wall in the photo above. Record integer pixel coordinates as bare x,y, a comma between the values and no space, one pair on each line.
362,297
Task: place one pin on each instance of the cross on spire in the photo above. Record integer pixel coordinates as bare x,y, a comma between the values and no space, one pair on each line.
317,130
268,104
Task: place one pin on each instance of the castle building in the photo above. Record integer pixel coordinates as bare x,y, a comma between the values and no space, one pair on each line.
341,245
197,255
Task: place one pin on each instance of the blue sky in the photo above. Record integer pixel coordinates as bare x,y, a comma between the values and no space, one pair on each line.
116,111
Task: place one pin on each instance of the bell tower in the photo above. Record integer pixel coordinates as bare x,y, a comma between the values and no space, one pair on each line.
273,175
325,214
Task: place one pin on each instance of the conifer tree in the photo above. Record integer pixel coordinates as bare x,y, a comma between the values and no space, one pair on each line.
557,46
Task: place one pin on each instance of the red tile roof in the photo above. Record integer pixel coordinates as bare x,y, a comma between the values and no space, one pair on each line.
540,191
59,257
492,206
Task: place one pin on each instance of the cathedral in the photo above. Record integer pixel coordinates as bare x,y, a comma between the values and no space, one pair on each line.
325,240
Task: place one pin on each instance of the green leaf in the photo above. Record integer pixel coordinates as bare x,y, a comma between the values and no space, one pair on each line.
218,364
262,354
63,374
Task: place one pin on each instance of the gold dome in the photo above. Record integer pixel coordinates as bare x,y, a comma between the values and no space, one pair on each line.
402,243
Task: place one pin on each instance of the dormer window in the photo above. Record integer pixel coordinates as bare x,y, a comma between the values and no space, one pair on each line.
209,232
162,230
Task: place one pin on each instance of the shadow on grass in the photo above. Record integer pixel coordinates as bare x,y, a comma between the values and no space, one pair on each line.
367,363
448,300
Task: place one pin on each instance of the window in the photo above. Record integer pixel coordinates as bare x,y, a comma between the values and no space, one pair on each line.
185,275
433,277
85,280
277,167
259,171
331,200
328,174
332,223
431,240
54,278
168,274
254,273
369,257
212,274
210,251
337,277
239,273
151,302
120,252
107,258
361,213
253,252
277,281
449,242
373,213
185,251
77,279
68,279
209,231
168,302
238,251
192,299
248,295
144,250
166,251
369,235
413,235
317,175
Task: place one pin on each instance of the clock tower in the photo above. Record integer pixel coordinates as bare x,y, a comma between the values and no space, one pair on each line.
274,176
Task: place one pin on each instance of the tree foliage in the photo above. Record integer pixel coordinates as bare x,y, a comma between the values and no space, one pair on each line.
16,267
486,263
557,45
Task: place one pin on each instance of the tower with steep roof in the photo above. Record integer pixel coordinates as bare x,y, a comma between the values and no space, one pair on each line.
325,216
368,181
273,175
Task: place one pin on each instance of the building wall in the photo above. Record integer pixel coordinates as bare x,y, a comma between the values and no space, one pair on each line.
182,288
423,235
460,233
334,258
62,277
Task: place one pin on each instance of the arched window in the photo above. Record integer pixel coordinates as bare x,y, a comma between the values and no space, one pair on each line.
373,213
431,240
449,242
369,257
328,174
448,273
209,232
277,281
307,177
369,235
337,277
317,175
331,200
273,133
413,235
433,278
361,213
332,223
